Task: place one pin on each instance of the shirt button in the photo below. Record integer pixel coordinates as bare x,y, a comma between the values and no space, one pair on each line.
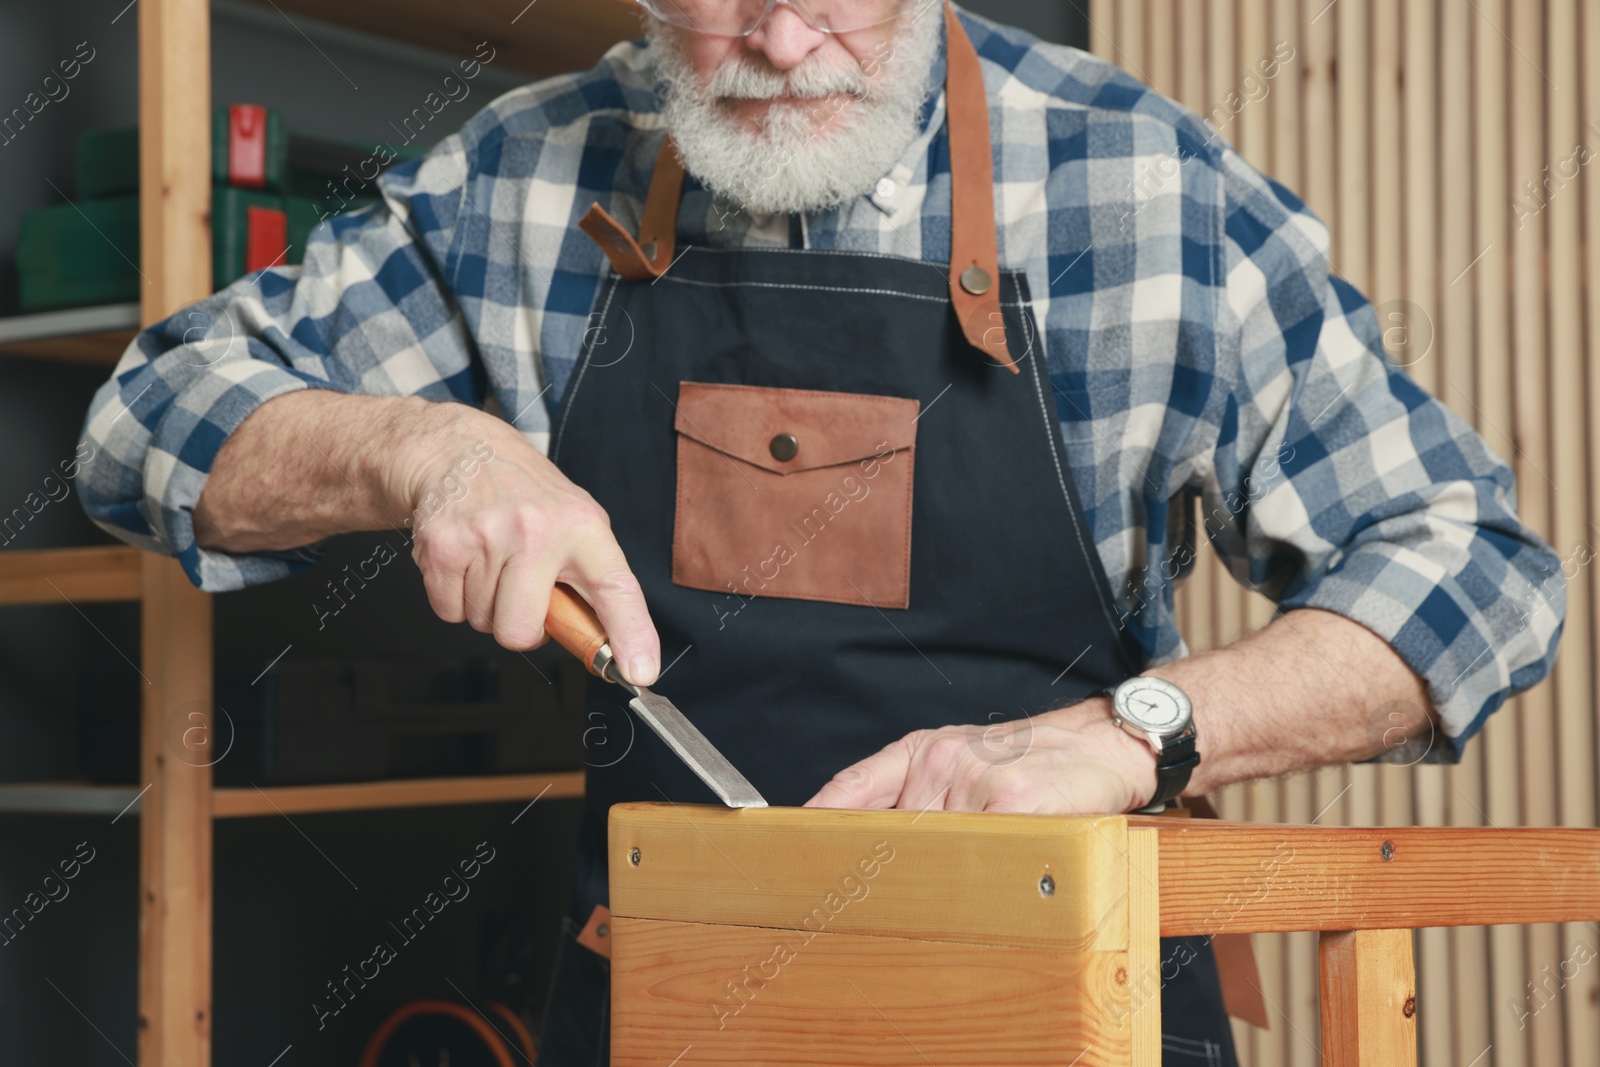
887,188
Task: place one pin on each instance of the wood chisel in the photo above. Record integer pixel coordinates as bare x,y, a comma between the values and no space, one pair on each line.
573,624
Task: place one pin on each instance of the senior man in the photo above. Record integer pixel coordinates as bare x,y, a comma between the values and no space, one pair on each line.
854,338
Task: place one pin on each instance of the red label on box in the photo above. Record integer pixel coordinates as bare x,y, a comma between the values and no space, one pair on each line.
247,145
267,237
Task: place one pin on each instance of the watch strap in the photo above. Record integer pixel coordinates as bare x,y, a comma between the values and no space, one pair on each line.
1174,764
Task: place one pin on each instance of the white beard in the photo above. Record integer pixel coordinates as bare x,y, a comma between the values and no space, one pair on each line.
789,166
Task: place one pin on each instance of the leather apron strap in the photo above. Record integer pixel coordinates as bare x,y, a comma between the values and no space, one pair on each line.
974,246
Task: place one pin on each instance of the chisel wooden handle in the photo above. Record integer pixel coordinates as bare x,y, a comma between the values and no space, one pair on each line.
572,622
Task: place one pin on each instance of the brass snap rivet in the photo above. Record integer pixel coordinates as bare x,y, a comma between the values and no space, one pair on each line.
976,281
649,249
784,447
602,930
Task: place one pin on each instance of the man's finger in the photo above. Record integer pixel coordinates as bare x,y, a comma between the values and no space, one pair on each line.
875,782
521,601
601,576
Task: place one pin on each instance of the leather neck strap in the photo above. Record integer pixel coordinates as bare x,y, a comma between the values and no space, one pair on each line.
974,248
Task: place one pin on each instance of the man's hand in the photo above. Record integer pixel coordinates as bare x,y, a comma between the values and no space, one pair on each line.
491,543
1312,689
491,553
1074,761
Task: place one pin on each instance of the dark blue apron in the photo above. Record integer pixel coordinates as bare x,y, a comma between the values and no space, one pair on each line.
1008,611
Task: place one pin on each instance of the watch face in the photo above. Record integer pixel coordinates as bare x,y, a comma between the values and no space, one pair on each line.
1153,704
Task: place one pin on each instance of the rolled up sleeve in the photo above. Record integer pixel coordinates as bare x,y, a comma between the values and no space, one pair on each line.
367,312
1338,483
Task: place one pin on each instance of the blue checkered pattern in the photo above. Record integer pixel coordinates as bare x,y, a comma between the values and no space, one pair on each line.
1199,347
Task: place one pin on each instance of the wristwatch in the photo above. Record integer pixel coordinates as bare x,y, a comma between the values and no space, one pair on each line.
1160,714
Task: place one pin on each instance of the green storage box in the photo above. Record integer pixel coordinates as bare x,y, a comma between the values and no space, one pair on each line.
73,256
76,256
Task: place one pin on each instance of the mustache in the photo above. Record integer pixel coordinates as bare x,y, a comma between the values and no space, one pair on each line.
742,81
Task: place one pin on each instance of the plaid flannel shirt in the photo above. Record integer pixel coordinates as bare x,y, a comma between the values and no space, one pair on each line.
1199,346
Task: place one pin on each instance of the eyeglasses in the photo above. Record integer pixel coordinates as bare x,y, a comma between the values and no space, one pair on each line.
741,18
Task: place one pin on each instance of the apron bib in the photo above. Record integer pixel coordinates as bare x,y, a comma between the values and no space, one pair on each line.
841,481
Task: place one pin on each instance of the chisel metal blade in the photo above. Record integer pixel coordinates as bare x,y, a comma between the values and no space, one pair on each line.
695,749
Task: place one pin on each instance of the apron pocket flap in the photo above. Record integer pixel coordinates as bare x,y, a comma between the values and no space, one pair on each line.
787,431
794,493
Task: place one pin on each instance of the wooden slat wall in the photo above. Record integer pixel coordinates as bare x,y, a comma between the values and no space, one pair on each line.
1414,129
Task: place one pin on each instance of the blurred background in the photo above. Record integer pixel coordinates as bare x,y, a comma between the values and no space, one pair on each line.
381,688
1445,142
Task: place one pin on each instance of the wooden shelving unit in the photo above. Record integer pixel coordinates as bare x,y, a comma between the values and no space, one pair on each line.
175,802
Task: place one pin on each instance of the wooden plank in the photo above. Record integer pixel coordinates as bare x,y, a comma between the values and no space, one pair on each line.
1133,52
94,335
1267,1048
1470,1007
1161,45
1369,1004
1254,878
69,798
746,996
540,38
1434,973
1572,731
76,575
1583,1032
1530,362
1222,69
1354,156
413,793
1500,738
1103,30
1320,150
96,349
1191,75
1415,206
1254,136
175,820
942,876
1288,133
1144,947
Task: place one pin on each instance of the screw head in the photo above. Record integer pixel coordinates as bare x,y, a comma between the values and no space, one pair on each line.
602,930
1410,1007
633,856
1047,886
1387,851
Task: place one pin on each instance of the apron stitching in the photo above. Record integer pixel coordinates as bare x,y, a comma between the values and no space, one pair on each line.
583,366
810,288
1053,429
943,268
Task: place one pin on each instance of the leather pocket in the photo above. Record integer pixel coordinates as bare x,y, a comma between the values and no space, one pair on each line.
794,493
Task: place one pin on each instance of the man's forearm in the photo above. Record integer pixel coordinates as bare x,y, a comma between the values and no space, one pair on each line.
314,463
1312,689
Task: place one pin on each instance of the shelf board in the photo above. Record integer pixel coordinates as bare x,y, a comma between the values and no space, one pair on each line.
67,798
539,38
408,793
94,335
81,798
76,575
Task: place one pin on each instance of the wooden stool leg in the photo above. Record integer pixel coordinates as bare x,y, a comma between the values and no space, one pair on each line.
1369,999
